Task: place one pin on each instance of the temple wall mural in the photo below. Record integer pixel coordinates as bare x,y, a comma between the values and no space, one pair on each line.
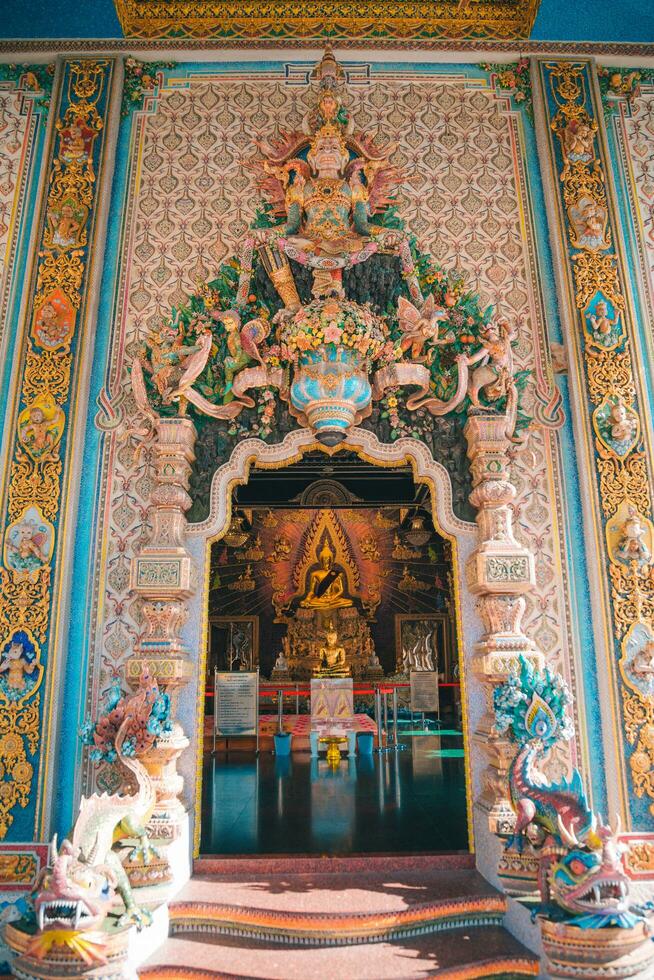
420,291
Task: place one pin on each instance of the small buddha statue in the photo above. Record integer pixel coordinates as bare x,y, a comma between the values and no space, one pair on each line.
332,656
326,585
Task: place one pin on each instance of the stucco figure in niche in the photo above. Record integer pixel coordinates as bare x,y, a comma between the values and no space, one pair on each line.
20,667
40,427
617,425
637,660
630,536
603,324
577,138
54,321
66,220
589,220
76,140
29,542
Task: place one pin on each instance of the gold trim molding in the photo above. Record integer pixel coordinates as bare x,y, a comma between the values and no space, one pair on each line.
328,20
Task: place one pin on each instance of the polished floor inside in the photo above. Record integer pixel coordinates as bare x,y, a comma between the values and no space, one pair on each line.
407,801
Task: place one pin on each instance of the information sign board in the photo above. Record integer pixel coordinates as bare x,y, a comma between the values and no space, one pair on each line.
424,690
236,703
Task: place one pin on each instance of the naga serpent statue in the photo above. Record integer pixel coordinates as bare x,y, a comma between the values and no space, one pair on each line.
581,876
76,891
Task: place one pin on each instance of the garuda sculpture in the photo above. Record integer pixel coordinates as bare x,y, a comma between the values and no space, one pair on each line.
330,305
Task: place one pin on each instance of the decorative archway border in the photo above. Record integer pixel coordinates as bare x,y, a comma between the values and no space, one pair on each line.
492,574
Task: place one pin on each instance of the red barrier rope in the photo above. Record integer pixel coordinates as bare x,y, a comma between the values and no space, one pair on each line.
272,690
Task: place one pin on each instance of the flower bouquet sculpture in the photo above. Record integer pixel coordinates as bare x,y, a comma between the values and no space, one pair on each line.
332,344
586,917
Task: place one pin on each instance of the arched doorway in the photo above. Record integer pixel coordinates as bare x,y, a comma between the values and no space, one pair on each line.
440,762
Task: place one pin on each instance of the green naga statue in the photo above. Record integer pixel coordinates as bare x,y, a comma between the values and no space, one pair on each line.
581,875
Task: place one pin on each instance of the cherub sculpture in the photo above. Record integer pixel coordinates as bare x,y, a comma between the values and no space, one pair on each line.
632,544
421,326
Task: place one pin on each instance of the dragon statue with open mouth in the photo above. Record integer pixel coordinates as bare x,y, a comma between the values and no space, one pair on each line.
581,875
78,889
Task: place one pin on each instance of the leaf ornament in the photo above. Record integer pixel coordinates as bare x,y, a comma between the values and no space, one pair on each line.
540,720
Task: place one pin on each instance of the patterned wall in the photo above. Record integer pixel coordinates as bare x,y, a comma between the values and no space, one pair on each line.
185,200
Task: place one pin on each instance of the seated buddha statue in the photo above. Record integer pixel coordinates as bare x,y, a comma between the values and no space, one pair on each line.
326,584
332,656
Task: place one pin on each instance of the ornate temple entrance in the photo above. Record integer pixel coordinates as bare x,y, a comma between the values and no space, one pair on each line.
332,570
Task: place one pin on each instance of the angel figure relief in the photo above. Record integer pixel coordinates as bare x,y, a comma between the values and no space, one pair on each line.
420,327
494,375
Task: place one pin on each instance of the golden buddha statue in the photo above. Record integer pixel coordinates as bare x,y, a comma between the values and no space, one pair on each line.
326,584
332,656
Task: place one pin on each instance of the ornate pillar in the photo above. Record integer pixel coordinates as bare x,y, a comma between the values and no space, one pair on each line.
499,572
163,578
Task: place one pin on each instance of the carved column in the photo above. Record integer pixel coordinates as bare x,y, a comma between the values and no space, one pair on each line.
499,572
162,575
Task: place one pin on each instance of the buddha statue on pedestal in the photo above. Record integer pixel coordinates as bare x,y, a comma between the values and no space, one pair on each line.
326,584
332,656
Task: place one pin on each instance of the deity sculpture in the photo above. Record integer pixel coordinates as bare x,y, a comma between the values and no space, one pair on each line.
326,584
577,139
326,195
173,364
643,663
242,344
15,665
421,325
602,325
494,376
632,545
332,656
622,426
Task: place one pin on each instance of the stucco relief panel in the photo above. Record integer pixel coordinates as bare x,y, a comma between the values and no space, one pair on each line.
190,201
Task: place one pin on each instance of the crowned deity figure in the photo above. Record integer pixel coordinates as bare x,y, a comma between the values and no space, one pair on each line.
326,584
327,182
327,211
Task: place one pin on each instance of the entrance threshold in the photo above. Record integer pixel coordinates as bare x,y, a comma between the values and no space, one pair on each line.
329,864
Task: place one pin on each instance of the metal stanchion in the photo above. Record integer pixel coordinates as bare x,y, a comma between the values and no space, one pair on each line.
396,744
378,718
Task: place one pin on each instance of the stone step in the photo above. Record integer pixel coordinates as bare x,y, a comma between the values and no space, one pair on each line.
465,954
